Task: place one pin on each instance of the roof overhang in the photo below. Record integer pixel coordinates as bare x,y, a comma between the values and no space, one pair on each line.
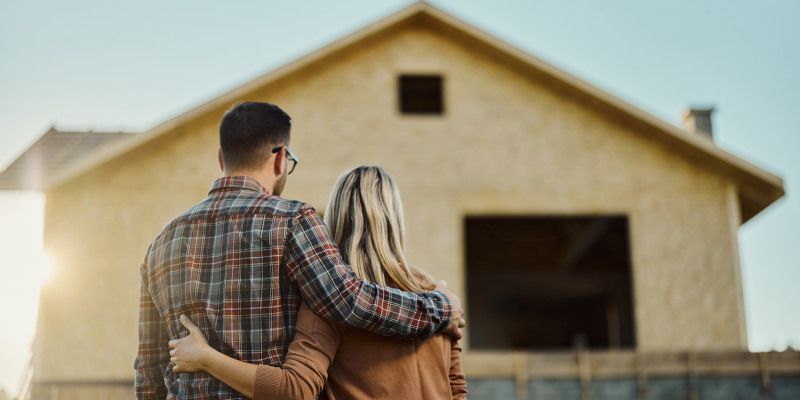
56,151
757,188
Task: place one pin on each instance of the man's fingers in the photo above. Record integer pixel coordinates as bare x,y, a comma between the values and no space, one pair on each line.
455,304
442,287
455,301
454,332
457,312
173,343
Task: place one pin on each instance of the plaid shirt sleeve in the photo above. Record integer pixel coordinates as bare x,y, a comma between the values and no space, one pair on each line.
153,354
332,290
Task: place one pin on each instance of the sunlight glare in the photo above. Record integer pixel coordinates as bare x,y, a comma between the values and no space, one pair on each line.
43,268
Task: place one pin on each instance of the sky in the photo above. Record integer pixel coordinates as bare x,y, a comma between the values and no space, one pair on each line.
129,65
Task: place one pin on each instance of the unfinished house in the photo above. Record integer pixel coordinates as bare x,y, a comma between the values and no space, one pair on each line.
594,245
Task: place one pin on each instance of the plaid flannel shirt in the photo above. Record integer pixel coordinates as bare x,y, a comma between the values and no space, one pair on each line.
239,264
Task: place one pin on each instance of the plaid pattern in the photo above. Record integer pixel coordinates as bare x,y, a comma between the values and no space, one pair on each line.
239,264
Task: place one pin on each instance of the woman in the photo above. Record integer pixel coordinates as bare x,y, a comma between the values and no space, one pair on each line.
365,217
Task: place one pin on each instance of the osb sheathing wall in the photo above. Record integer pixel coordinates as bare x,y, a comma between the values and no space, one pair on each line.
508,144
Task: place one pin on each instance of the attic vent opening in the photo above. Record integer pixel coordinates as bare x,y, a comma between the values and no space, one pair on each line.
549,282
421,94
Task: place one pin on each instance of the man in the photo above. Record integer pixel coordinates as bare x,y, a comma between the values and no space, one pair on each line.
240,262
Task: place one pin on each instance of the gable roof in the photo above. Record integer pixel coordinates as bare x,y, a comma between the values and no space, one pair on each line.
757,187
53,152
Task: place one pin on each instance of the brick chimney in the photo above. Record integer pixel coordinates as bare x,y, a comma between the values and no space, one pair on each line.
698,120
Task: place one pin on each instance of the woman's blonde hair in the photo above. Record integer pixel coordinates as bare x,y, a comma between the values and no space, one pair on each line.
365,218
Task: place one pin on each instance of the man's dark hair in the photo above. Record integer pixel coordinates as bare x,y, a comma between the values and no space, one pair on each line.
249,131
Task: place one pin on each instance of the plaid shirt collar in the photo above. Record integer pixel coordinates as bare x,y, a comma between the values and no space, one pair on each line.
228,183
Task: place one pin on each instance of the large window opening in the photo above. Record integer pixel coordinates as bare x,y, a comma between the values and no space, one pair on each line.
549,282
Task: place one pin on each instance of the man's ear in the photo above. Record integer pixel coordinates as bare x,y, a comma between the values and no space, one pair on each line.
219,158
280,162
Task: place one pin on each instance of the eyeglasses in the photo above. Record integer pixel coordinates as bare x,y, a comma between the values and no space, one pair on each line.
293,158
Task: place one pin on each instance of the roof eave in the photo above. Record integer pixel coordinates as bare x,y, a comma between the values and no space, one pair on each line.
229,97
758,188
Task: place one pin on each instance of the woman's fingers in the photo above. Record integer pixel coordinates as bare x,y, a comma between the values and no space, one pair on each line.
185,350
195,334
193,329
188,323
175,343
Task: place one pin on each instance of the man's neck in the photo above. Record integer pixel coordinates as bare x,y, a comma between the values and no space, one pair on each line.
265,180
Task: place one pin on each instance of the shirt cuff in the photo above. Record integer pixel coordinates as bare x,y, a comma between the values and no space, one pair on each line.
268,383
447,309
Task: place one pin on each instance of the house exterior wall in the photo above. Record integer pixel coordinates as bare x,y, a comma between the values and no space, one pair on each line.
97,229
507,144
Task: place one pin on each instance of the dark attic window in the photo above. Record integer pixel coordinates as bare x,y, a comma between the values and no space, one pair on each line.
549,282
421,94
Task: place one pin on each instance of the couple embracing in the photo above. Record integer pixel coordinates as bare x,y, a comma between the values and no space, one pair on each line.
247,294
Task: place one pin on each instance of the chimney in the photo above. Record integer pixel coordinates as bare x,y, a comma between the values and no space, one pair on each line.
698,120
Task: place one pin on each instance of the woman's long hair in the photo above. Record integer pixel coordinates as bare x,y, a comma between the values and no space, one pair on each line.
365,218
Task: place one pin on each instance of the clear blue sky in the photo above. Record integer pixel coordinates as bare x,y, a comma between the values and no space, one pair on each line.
105,65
